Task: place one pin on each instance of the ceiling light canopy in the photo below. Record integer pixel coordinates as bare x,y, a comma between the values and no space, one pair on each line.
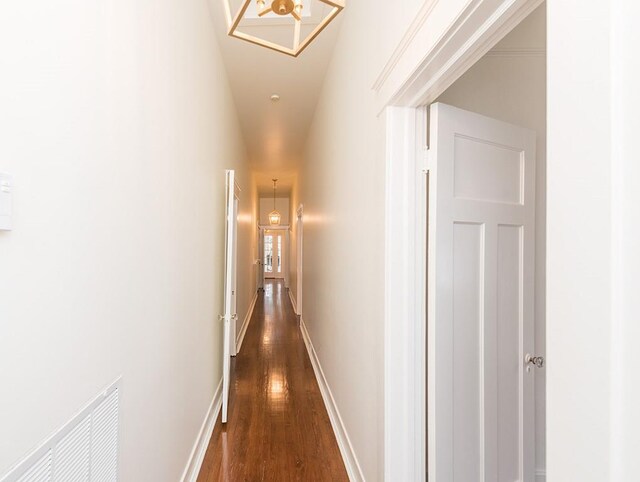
283,8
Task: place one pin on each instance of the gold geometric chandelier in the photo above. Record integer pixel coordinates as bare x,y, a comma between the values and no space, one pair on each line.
282,8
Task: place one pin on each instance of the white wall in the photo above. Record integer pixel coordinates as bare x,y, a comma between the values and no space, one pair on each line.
579,242
593,196
266,207
342,188
510,84
626,232
117,125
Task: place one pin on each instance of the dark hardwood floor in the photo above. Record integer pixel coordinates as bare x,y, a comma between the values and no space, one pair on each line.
278,428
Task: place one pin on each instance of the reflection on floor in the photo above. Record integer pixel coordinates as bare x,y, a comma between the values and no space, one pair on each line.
278,428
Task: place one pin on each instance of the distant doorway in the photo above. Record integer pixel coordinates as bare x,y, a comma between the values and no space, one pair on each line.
274,253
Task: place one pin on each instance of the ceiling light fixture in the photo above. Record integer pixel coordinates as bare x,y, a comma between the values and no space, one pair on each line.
275,98
274,216
283,8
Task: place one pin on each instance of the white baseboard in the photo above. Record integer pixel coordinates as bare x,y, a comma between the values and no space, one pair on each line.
245,323
293,302
346,449
199,450
541,475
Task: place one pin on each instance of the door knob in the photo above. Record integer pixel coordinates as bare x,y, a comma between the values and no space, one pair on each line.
534,361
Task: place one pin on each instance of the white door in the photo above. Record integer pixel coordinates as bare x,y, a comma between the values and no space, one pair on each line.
274,246
260,274
285,257
229,315
299,254
234,280
480,299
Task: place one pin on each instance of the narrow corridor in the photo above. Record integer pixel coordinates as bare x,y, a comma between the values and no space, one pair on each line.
278,428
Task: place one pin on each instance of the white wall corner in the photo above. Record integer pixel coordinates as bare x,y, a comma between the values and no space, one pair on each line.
346,449
245,323
192,470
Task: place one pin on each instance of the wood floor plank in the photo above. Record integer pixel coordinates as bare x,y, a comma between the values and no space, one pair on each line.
278,428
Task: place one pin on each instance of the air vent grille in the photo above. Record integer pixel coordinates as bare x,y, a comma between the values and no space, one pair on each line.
40,471
84,450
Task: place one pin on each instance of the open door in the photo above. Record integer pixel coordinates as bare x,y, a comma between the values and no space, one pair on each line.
229,316
480,299
261,268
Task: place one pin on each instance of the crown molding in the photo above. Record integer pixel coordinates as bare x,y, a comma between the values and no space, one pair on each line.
438,48
513,52
405,42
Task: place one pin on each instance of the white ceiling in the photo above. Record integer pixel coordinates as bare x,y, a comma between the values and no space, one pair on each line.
274,133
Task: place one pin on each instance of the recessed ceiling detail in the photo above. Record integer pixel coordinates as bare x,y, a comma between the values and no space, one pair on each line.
292,9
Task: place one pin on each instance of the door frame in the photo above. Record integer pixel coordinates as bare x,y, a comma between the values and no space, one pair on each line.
299,257
260,260
403,105
283,227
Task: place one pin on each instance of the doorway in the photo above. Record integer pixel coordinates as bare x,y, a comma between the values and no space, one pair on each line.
274,254
495,232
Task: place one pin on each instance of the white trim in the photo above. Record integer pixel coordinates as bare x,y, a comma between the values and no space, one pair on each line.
405,42
404,314
422,68
245,323
293,301
192,470
541,475
516,53
299,257
346,449
279,227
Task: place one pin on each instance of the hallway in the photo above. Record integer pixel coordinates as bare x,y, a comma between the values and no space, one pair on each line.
278,426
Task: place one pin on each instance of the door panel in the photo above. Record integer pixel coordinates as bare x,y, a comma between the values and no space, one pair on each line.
234,280
468,318
480,291
227,317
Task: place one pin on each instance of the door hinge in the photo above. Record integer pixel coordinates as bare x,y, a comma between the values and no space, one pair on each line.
227,318
423,161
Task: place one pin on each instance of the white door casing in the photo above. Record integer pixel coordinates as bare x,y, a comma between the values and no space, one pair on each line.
229,315
480,298
299,257
286,256
260,259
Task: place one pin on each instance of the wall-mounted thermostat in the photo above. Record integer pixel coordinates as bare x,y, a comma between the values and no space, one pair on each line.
6,195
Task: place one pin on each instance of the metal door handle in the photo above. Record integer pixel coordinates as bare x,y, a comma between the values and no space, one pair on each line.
534,361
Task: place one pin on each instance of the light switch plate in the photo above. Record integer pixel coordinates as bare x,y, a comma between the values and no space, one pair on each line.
6,201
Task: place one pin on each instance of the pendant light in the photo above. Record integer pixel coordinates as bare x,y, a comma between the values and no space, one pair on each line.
270,9
274,216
